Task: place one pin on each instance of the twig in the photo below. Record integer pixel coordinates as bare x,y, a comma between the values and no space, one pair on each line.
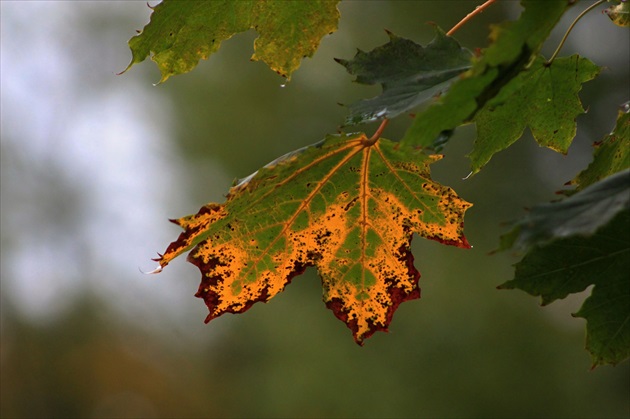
469,16
566,35
378,133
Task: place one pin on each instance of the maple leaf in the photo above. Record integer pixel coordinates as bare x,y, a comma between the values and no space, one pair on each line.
409,73
348,205
543,97
582,240
612,154
513,47
569,265
181,32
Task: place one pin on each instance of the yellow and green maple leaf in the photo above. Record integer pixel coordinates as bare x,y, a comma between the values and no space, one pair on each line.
348,205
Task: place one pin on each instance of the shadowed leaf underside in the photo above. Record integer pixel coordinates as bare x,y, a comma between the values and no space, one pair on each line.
409,73
347,206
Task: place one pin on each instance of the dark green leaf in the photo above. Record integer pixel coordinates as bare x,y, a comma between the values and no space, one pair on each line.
607,310
514,46
581,214
409,74
570,265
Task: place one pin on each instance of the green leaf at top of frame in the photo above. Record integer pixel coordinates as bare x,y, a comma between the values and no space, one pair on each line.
181,32
514,45
409,73
544,98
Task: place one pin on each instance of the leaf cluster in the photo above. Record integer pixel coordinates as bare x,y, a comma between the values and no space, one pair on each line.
350,204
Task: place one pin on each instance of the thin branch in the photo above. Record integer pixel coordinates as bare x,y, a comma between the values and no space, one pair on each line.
566,35
469,16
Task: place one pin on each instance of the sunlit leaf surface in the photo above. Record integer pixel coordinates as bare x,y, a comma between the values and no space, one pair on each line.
182,32
348,206
543,98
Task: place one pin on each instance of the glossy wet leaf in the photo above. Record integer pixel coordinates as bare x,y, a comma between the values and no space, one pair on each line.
409,73
347,207
181,32
543,98
569,265
514,45
580,214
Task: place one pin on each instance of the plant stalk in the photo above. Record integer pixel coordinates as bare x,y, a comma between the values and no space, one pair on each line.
566,35
469,16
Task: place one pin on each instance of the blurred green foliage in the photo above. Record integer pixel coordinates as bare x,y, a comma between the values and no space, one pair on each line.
463,350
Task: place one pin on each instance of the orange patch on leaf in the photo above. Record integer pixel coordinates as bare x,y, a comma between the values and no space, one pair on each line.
347,207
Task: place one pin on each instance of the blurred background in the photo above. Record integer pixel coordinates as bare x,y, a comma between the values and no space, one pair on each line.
93,164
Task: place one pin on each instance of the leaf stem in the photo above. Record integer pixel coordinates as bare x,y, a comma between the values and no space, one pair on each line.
469,16
566,35
377,134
